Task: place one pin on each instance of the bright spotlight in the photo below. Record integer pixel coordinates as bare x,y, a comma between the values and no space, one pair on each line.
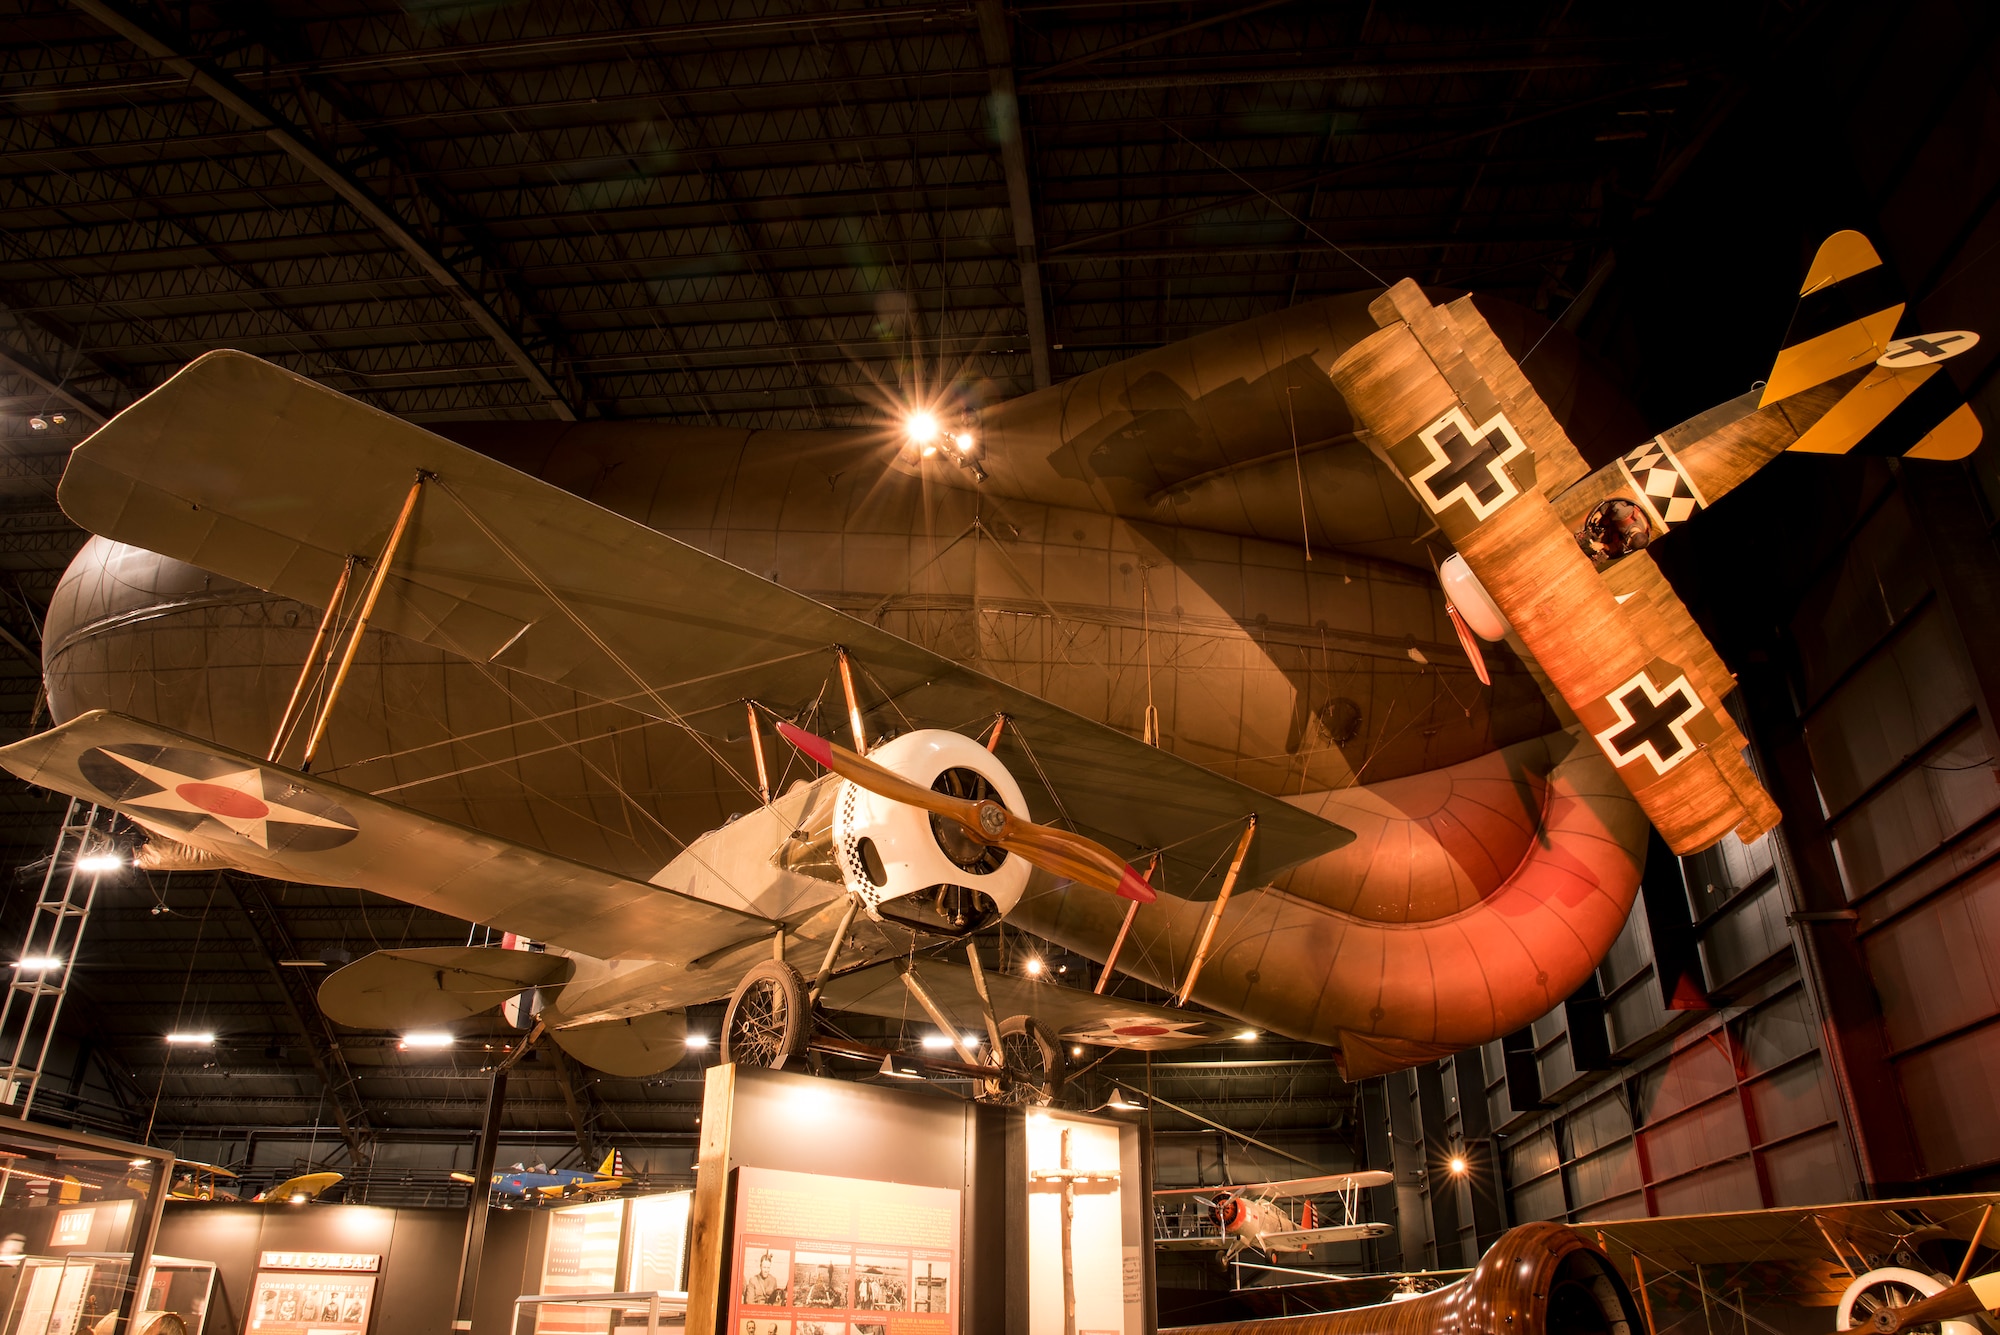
99,862
1033,968
697,1042
39,963
1076,1050
1457,1166
429,1039
936,1042
1247,1036
922,428
193,1040
965,441
298,1198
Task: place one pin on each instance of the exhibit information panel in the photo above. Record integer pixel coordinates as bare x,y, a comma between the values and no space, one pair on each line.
818,1255
582,1257
313,1293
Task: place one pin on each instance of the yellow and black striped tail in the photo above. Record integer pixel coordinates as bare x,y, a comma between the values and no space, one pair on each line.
1847,313
1918,414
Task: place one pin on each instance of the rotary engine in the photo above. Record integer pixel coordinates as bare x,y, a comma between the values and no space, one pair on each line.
919,869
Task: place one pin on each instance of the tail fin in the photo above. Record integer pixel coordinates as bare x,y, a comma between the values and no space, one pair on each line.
1847,313
609,1168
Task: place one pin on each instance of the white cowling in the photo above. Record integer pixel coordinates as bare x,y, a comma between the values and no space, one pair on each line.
907,865
1893,1277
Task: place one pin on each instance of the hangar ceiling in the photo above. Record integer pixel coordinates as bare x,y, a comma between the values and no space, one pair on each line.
777,213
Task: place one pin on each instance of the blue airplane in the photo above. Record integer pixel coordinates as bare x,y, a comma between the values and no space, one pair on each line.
542,1184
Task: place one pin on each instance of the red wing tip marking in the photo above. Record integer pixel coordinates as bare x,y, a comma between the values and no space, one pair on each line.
818,748
1141,1030
1133,886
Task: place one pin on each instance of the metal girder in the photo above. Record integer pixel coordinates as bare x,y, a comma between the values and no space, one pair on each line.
578,1102
228,93
276,943
15,362
995,38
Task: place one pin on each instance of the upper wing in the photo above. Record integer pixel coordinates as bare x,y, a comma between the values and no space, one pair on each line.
1073,1015
280,823
1794,1233
245,469
1317,1186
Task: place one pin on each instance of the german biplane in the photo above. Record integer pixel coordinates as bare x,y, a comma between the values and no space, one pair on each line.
1276,1217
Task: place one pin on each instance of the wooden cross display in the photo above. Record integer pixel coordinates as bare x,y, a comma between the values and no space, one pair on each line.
1068,1176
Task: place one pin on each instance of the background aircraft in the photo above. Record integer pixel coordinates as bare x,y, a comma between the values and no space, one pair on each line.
1256,1216
542,1184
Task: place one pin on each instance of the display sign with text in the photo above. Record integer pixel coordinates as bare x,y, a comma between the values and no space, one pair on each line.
310,1302
819,1255
582,1257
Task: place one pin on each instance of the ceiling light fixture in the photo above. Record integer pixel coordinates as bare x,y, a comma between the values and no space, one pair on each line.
298,1198
696,1042
1458,1166
1033,968
888,1068
935,1042
1247,1036
922,428
193,1040
100,862
428,1040
39,963
38,423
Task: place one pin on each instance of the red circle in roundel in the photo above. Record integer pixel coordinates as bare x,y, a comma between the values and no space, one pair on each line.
220,801
1131,1030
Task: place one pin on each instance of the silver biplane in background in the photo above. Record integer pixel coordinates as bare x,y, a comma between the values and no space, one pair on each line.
1260,1216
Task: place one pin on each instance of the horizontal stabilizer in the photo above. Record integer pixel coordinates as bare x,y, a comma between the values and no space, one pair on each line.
392,989
1847,313
1916,414
280,823
640,1045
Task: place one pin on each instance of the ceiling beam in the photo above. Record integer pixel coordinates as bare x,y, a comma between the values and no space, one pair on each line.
994,36
232,96
275,942
15,362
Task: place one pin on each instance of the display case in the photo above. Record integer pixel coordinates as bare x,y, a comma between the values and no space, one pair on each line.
178,1287
74,1212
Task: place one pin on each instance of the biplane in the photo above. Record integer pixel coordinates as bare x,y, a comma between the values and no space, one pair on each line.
848,888
1275,1217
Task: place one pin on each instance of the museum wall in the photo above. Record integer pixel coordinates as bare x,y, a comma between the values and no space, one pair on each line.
419,1250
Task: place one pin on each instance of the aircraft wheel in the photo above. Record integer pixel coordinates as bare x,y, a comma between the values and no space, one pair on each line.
1034,1056
768,1022
1894,1286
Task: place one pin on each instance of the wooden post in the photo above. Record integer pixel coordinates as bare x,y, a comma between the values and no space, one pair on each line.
707,1266
361,620
1124,929
757,750
312,656
853,702
1068,1228
1215,913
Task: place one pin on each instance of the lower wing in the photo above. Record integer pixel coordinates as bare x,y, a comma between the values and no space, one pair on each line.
290,826
1298,1239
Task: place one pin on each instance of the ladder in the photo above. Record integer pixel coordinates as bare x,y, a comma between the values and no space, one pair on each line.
41,972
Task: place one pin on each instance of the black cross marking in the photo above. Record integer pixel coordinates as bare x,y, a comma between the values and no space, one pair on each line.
1469,463
1927,347
1651,722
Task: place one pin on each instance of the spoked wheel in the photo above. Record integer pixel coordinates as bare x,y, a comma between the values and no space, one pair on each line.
1883,1295
1033,1060
767,1023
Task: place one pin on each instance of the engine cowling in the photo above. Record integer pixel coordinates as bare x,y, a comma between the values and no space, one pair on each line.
920,869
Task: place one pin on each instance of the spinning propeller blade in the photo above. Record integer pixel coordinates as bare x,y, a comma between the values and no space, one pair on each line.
1058,852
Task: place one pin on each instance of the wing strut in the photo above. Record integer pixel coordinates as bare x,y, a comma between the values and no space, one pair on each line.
361,621
333,602
1215,913
1124,929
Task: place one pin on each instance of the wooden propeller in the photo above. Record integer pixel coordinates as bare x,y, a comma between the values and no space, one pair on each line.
1058,852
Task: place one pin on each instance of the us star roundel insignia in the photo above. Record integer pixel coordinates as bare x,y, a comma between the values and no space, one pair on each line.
1468,463
201,794
1654,722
